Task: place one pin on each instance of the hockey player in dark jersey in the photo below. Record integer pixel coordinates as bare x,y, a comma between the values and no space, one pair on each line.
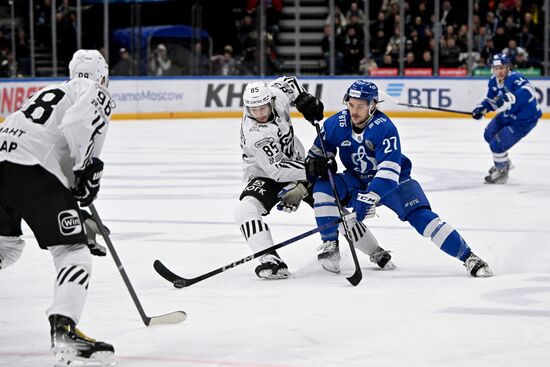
521,112
52,171
376,173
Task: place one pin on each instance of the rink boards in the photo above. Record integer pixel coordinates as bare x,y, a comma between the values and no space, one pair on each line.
201,97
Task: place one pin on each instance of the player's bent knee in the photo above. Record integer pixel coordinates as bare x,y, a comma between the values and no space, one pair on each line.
496,146
70,255
11,249
247,208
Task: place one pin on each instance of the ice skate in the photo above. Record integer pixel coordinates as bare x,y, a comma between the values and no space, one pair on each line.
72,348
477,267
272,267
498,176
493,168
328,255
382,258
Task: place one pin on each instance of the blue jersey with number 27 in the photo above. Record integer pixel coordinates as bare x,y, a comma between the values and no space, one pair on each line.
374,155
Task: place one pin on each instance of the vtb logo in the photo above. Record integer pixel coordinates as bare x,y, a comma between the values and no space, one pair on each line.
69,222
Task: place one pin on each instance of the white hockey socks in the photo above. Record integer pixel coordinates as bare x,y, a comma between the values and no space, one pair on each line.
11,249
248,215
74,269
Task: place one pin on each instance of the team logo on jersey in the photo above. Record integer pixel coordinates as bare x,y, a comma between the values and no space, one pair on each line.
346,143
257,187
264,141
69,222
361,160
369,144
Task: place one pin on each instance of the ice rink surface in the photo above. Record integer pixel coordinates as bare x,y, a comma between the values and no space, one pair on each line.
168,193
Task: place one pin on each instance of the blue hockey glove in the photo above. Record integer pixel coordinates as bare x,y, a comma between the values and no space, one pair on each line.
318,167
291,196
365,205
479,112
86,182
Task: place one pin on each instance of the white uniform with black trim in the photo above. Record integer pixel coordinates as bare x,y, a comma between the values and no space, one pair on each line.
49,131
271,149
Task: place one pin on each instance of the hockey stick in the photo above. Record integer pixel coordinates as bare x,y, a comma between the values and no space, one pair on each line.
417,105
169,318
181,282
356,277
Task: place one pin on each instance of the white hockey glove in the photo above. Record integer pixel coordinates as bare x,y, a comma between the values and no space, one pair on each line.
92,229
291,196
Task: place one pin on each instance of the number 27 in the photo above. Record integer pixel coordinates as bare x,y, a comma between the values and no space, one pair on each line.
388,144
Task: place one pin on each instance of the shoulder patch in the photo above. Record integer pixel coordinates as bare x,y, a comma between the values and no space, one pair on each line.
369,144
345,143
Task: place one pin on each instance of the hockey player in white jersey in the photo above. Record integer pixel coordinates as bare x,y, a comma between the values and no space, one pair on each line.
49,163
273,167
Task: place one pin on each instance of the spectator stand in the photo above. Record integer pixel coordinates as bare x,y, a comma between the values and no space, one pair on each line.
182,44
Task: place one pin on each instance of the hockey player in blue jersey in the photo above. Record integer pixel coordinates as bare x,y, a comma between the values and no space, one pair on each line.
520,115
376,173
273,168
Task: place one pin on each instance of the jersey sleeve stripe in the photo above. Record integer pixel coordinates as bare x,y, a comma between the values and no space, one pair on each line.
390,175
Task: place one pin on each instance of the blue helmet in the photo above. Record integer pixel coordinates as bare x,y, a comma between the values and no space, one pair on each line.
500,59
362,89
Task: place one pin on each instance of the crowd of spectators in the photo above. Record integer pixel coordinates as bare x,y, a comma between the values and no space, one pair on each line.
6,55
66,41
511,26
239,58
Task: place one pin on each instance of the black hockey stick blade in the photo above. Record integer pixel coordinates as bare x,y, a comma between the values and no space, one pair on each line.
356,277
176,280
416,105
181,282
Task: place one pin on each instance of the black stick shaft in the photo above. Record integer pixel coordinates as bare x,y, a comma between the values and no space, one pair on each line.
181,282
120,267
435,108
356,277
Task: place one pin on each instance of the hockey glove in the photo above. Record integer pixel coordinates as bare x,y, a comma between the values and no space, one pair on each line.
91,228
291,196
310,107
506,97
318,167
479,112
87,182
365,205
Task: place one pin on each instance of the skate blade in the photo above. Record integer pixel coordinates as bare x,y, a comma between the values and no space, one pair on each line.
331,267
484,272
389,266
67,357
268,274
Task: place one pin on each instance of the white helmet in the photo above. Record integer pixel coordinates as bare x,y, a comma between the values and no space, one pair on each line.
255,95
89,64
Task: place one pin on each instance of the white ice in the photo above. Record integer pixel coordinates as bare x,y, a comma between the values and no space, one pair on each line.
168,193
